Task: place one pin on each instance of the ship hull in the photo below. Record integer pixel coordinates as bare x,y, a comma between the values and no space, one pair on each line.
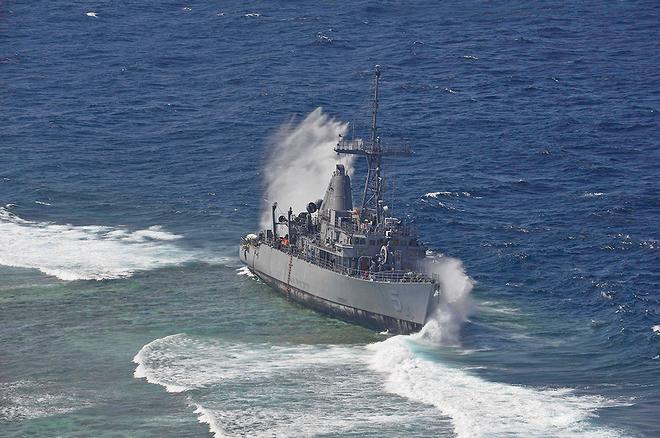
397,307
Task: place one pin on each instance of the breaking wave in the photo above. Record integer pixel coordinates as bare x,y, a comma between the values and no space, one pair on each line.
482,408
265,390
382,388
71,252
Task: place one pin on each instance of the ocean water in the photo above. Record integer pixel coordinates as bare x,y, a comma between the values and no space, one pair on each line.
139,141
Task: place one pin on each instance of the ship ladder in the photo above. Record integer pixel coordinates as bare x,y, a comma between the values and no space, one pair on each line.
288,279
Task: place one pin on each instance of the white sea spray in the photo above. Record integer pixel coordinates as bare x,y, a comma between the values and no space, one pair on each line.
300,162
453,306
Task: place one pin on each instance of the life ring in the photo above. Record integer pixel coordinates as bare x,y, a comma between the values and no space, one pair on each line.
383,254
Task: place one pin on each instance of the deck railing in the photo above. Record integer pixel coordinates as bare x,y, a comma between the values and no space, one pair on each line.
384,276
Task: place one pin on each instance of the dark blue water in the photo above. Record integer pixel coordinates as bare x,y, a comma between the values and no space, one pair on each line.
536,130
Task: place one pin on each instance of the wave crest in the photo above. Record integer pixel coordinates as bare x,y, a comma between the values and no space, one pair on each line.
91,252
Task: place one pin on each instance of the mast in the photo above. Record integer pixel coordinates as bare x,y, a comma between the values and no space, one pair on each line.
374,109
372,195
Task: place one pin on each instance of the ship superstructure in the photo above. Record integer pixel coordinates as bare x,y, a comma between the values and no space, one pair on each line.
359,264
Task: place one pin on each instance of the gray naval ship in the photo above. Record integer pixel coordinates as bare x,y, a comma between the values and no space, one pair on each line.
360,265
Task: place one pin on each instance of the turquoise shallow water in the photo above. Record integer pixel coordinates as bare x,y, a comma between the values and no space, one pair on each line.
132,159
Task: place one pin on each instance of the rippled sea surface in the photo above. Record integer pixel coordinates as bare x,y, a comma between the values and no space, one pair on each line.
134,139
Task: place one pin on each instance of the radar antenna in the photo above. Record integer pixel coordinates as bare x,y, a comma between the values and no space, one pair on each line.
373,150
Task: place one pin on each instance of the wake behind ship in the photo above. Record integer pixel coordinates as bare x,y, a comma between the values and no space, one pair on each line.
360,265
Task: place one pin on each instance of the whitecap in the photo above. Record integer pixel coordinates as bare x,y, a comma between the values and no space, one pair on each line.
42,203
656,329
593,194
436,194
650,243
481,408
26,399
323,38
448,194
92,14
206,416
90,252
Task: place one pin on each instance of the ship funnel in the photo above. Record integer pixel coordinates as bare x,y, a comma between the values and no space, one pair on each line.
338,197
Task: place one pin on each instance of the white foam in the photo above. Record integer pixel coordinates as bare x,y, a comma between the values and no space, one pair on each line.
269,390
151,359
28,399
482,408
649,243
95,252
656,329
206,416
301,162
180,363
245,271
449,194
265,390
